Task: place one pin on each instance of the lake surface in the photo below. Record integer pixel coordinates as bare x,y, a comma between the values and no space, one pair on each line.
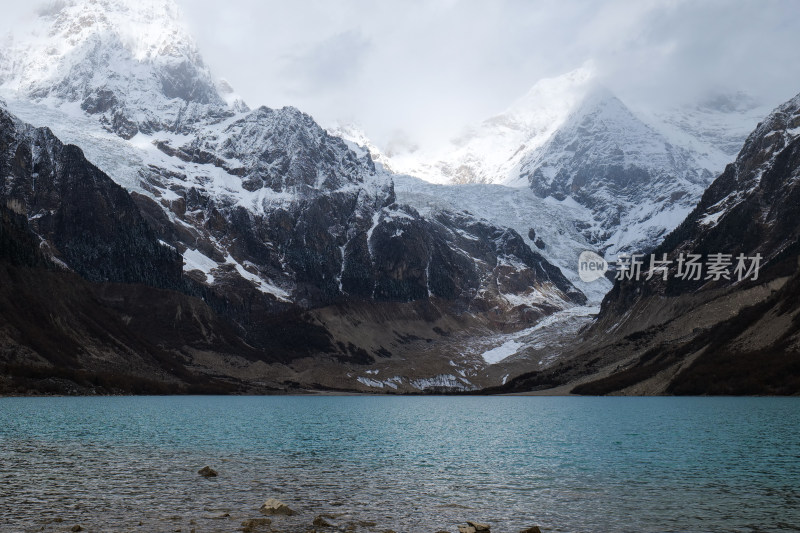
412,464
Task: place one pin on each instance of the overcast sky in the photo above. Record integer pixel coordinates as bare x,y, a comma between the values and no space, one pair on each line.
430,67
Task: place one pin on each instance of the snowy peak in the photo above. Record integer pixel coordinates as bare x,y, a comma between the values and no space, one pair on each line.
780,128
601,132
490,152
635,182
282,150
132,63
549,101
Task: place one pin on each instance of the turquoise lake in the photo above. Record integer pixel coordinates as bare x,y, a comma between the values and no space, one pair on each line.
410,464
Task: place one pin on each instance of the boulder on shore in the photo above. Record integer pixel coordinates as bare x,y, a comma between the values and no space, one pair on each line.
275,507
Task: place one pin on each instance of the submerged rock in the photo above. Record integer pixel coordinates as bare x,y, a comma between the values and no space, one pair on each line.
76,528
532,529
319,521
207,471
275,507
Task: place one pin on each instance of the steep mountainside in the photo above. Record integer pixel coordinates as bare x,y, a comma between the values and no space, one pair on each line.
730,334
84,220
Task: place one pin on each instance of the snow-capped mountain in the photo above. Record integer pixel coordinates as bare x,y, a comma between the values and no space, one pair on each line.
491,151
134,66
638,172
271,215
636,183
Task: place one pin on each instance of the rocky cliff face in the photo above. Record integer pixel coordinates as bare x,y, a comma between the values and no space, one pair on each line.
84,220
729,334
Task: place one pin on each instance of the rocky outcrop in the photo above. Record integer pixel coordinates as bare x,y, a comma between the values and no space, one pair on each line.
474,527
254,524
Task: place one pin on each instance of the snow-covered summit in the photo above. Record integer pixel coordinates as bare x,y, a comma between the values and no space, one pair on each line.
134,64
637,184
491,151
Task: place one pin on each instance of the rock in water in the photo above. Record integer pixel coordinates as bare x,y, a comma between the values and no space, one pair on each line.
479,528
532,529
275,507
466,529
207,471
321,522
251,524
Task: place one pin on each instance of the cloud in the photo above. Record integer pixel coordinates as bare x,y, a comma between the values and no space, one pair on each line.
428,68
329,64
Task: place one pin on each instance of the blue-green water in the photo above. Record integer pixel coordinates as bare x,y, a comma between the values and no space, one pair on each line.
417,464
